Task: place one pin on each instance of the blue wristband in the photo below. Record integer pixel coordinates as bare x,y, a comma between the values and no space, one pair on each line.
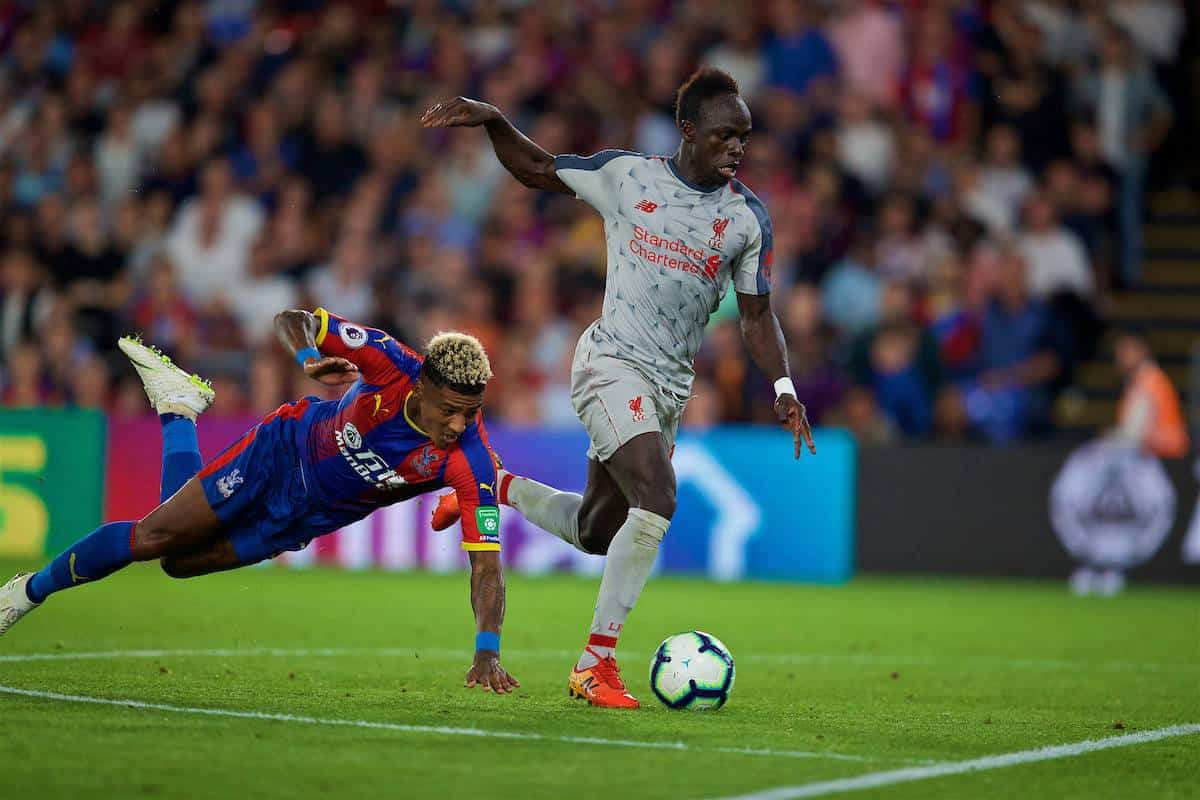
306,354
486,640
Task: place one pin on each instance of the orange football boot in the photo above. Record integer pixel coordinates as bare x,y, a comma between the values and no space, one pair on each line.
446,513
601,684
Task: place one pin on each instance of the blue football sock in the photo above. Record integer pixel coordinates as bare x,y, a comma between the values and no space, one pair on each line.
97,555
181,454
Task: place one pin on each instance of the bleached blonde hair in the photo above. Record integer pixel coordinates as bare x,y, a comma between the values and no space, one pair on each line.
458,360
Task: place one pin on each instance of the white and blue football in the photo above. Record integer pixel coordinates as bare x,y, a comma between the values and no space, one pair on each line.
692,670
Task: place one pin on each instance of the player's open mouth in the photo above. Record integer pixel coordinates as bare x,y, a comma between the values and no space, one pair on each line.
730,169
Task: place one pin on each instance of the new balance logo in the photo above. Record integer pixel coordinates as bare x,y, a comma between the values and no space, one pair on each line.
635,407
646,206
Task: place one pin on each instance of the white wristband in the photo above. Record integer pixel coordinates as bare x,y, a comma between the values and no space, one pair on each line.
784,386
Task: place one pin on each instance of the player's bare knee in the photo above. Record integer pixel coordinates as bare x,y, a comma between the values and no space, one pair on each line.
657,498
661,502
597,536
152,540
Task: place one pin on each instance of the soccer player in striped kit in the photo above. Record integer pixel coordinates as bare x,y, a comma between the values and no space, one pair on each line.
408,423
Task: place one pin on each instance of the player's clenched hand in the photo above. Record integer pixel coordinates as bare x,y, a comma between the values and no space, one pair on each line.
486,673
459,111
332,371
791,414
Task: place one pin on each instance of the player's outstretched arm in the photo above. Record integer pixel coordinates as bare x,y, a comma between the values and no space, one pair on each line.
487,601
296,329
527,162
764,339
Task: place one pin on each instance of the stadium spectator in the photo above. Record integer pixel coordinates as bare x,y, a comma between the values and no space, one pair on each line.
866,145
897,361
1018,362
799,53
212,234
869,41
740,54
1133,116
1149,416
936,85
25,300
1054,256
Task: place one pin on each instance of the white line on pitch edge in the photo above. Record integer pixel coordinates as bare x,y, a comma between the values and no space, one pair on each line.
875,780
435,730
750,658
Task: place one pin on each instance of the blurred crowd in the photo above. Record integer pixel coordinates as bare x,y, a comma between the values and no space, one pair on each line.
954,186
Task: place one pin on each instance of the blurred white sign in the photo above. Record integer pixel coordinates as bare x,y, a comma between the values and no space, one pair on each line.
1112,506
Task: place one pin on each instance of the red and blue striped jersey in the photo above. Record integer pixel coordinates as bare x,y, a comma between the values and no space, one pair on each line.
363,451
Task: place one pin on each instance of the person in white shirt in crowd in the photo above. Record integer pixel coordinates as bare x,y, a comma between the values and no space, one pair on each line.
347,281
213,232
739,53
1056,258
1002,175
985,208
866,145
117,157
261,291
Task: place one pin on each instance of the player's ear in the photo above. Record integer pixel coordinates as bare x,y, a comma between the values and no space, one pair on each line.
687,129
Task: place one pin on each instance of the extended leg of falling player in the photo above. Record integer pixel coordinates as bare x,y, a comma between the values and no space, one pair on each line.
179,398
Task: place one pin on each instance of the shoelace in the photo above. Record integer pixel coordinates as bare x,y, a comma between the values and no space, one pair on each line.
610,673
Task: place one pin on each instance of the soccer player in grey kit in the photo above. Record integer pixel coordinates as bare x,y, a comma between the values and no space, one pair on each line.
678,230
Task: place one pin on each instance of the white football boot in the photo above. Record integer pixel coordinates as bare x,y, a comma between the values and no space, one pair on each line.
170,389
14,603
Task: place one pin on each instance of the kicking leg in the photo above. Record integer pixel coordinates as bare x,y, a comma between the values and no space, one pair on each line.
179,526
642,469
599,511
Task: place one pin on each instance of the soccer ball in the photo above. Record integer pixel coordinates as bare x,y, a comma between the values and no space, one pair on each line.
692,670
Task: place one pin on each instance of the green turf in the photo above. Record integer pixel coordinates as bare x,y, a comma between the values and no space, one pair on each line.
896,672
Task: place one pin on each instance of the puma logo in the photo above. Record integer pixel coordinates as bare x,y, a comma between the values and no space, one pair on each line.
75,576
490,488
378,403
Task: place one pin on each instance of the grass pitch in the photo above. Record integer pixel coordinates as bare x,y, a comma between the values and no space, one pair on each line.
359,676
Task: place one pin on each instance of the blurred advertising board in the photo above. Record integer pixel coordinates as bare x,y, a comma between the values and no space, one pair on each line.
1036,510
51,479
747,509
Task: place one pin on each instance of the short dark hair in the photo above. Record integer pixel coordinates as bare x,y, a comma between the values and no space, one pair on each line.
704,84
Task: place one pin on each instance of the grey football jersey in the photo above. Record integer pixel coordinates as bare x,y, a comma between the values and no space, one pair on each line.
672,250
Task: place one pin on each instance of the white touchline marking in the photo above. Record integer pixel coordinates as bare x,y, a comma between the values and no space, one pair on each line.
750,658
436,730
874,780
